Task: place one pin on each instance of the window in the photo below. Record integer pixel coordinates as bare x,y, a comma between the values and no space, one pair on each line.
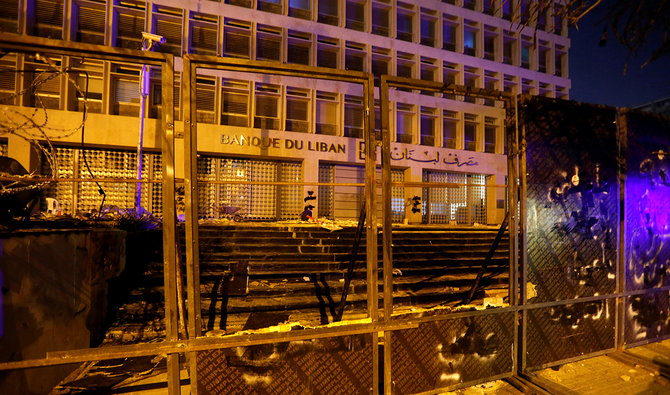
355,16
240,3
129,24
126,90
404,123
543,57
90,23
155,108
300,9
328,12
380,62
94,69
405,67
428,22
355,57
470,132
527,53
561,93
524,11
268,43
405,22
490,7
234,102
428,126
509,48
490,43
471,79
299,48
491,83
167,23
9,16
203,34
451,75
558,21
49,18
327,52
449,129
527,86
490,135
470,36
327,113
507,9
48,92
450,34
236,39
542,20
380,19
273,6
204,99
353,116
545,89
470,4
510,84
297,110
267,106
560,60
428,72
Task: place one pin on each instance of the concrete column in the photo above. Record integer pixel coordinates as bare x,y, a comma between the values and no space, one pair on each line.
22,151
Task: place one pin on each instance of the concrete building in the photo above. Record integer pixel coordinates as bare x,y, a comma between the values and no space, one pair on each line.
266,128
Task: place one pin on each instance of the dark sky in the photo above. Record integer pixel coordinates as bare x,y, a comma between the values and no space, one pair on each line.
597,73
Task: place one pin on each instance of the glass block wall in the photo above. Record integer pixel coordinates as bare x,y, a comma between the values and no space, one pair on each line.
325,194
463,205
103,164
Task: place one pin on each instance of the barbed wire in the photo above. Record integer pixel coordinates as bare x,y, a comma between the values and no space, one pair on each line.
32,129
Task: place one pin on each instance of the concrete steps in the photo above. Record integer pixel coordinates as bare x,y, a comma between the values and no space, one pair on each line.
300,270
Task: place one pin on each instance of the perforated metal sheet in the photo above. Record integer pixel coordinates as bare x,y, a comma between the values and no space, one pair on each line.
339,365
569,331
572,152
647,200
647,225
445,353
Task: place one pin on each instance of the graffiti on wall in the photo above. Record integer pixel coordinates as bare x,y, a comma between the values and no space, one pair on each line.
647,225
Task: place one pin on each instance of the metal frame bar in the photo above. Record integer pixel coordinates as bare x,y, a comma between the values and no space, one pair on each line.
191,64
399,82
22,43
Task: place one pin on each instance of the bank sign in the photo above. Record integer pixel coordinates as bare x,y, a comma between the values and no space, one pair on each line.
398,152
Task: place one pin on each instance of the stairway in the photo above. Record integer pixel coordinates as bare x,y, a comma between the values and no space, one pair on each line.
296,272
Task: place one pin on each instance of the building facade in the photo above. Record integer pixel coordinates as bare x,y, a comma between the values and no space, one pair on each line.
260,128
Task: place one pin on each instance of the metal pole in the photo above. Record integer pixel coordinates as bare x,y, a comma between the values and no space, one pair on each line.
522,231
191,200
371,223
387,235
169,233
